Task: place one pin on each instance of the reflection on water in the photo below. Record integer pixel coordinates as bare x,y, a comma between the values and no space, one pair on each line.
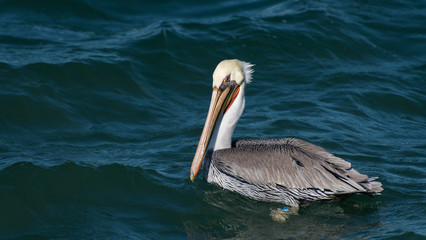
224,214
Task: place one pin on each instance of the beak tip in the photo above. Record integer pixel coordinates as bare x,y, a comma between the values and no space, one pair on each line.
192,177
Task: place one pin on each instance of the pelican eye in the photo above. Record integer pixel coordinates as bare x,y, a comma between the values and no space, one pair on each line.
227,79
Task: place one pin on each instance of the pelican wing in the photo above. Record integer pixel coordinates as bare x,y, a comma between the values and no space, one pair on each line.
291,163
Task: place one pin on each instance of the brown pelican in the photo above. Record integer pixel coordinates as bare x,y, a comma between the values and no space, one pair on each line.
286,170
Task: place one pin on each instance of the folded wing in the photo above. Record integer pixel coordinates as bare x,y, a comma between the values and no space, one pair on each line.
293,164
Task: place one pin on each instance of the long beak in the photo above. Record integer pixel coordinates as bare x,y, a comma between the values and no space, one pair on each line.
221,100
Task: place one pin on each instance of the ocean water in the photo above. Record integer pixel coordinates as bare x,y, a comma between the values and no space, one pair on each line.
102,104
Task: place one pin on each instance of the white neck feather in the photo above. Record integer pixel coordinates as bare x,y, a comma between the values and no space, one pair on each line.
222,136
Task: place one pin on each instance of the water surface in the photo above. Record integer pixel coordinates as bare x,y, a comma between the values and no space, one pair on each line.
102,105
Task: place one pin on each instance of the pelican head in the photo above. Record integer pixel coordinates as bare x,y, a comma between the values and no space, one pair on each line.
226,106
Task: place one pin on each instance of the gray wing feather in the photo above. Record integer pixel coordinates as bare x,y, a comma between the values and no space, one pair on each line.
291,163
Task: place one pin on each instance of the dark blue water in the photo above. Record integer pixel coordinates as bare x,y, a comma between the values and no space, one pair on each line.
102,104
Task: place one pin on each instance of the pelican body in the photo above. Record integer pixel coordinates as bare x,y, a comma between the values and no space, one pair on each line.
285,170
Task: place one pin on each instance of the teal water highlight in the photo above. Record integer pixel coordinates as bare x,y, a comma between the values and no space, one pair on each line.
102,105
